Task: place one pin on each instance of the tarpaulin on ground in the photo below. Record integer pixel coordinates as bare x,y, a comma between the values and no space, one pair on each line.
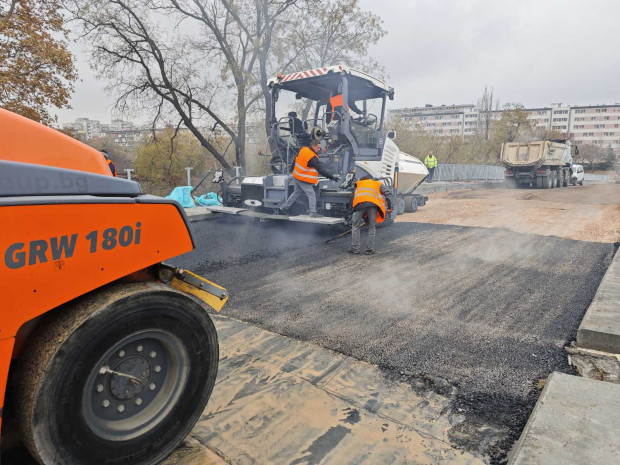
208,200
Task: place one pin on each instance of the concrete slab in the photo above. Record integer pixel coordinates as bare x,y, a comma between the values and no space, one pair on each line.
600,328
575,422
280,400
198,213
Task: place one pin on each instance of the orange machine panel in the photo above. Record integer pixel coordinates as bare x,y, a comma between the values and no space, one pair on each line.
25,141
50,254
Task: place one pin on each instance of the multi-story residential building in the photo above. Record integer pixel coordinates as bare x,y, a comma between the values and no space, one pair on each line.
592,124
84,128
123,132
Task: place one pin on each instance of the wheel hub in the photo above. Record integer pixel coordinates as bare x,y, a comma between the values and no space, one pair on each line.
124,388
134,384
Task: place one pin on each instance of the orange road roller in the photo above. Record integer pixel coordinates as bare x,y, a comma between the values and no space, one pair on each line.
107,354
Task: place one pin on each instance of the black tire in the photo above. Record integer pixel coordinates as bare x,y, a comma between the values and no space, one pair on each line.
560,179
547,181
581,182
411,204
400,206
539,182
162,338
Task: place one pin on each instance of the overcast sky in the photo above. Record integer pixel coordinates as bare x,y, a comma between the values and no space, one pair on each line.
534,52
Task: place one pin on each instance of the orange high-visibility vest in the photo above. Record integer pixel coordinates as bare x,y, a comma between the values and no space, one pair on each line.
370,191
336,101
112,166
302,171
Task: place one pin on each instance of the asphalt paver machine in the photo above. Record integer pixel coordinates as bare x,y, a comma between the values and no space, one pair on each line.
107,354
353,145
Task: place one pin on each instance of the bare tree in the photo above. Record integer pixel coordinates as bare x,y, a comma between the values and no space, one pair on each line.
150,68
168,69
486,106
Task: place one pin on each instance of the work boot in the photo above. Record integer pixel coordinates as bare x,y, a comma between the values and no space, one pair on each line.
354,252
314,215
369,252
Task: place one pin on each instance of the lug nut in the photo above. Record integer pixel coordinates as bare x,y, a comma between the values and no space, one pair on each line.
152,386
120,408
99,387
153,354
138,401
105,403
121,353
157,369
139,348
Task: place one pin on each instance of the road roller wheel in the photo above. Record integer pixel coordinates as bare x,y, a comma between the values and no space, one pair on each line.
118,376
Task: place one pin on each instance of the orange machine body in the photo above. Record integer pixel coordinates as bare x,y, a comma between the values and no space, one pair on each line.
81,230
25,141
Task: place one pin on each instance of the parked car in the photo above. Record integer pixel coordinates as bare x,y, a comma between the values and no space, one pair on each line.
577,176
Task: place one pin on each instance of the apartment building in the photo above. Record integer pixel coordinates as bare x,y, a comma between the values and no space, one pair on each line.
592,124
123,132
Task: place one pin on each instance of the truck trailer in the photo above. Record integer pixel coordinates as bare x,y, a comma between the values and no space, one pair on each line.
107,354
542,164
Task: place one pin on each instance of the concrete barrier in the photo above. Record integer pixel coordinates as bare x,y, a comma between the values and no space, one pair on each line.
596,353
575,422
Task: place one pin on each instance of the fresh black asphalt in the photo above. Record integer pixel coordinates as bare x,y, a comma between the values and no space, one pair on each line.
481,315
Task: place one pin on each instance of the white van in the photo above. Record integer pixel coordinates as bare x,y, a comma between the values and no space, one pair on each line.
577,176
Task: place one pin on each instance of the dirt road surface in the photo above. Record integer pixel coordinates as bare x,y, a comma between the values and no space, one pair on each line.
484,309
587,213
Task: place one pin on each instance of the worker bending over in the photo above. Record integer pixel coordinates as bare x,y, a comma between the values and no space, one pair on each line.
369,203
306,174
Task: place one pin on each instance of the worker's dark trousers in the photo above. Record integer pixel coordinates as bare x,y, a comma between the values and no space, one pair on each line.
307,189
430,174
358,219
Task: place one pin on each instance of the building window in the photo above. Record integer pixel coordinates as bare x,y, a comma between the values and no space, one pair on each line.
580,111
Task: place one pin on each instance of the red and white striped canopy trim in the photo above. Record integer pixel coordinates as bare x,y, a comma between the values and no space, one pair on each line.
304,74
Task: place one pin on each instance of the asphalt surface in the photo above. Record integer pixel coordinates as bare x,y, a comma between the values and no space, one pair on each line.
479,314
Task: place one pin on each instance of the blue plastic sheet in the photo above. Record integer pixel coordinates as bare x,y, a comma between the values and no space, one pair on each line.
208,200
182,195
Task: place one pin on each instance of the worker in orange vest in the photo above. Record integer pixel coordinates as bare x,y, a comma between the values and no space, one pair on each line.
335,107
306,174
368,203
110,163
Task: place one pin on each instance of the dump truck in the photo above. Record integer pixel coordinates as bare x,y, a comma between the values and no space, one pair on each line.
542,164
107,354
352,146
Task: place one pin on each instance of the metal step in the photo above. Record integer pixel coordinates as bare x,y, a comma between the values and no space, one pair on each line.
326,220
